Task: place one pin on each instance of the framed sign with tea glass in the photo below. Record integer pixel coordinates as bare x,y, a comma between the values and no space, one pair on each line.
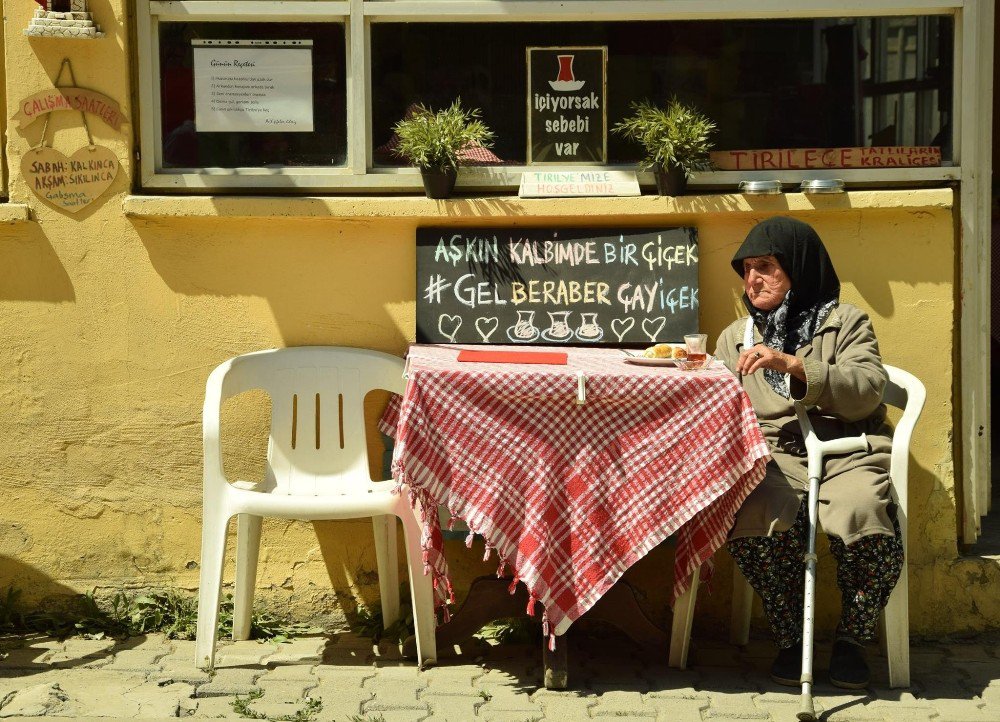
567,113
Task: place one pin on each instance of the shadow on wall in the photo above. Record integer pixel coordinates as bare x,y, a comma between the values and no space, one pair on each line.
870,250
325,282
30,270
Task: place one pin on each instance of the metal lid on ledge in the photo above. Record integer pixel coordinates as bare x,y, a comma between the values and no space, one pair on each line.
822,185
754,187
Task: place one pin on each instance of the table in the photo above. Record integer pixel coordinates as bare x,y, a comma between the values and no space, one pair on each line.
572,494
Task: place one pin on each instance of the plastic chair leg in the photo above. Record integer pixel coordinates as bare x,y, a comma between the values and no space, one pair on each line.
680,632
247,552
421,591
739,624
213,554
388,566
897,632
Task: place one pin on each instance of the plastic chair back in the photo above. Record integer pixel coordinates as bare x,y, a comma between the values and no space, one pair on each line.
317,444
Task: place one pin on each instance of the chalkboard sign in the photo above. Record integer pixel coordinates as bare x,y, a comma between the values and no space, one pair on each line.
606,287
567,120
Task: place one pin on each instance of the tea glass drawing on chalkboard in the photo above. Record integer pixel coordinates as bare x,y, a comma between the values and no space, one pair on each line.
589,329
558,329
524,331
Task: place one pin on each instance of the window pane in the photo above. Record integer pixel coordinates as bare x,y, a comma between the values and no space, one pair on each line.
767,83
185,147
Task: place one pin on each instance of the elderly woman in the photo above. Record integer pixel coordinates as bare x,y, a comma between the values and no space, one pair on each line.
800,343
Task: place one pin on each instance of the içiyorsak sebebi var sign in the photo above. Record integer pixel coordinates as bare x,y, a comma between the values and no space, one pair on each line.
567,120
253,86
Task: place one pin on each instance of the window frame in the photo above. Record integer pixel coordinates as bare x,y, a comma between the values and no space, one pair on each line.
360,176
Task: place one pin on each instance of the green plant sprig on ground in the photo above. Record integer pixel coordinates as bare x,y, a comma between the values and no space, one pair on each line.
432,139
677,135
511,630
241,706
369,623
169,612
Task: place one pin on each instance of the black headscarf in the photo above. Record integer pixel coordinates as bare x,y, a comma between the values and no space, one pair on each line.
814,293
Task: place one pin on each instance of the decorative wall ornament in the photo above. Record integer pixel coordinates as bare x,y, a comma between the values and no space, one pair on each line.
63,19
73,182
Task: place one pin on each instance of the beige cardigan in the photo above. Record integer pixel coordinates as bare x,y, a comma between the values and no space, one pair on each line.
844,381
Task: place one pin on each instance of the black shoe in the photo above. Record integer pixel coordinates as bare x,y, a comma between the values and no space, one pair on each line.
787,667
848,669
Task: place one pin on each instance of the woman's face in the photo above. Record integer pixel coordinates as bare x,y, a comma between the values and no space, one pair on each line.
765,282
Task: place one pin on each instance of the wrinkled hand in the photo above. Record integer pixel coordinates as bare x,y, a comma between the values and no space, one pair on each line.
759,357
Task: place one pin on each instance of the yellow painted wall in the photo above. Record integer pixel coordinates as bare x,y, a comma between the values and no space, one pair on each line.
111,319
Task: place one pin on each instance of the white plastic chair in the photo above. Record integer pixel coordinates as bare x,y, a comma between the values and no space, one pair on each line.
317,468
906,392
903,391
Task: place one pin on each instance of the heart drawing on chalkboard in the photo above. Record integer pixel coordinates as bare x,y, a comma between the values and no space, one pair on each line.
487,326
449,325
652,326
622,326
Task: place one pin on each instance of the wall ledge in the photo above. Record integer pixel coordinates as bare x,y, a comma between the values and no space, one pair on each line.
14,213
497,207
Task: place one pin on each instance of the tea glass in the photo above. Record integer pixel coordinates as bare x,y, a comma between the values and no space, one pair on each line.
697,349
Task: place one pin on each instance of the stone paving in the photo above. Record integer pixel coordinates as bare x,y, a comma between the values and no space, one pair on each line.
154,678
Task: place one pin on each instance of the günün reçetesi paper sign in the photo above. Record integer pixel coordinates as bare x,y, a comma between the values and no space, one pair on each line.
253,86
588,182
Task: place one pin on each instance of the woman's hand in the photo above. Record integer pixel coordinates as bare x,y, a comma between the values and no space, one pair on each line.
759,357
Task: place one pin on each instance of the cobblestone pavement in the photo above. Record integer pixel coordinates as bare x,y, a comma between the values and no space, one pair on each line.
151,678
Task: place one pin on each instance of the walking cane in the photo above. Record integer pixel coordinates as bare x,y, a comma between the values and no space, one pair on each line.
815,451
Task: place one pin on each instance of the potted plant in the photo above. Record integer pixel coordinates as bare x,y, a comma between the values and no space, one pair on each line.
675,140
433,142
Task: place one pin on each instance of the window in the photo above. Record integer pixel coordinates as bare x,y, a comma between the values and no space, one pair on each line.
3,120
185,147
777,82
767,83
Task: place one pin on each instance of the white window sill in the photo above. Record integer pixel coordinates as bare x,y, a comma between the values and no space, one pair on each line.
493,209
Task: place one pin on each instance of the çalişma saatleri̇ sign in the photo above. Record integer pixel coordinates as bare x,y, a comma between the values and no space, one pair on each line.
69,182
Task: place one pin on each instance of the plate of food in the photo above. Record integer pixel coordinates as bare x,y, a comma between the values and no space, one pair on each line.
661,354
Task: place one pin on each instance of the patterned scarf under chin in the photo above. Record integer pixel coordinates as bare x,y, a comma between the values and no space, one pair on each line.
786,335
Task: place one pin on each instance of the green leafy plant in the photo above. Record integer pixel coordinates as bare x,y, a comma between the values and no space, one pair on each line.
241,706
168,611
430,139
511,630
676,135
368,623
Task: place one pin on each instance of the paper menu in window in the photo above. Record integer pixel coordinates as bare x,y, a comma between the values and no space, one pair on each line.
253,86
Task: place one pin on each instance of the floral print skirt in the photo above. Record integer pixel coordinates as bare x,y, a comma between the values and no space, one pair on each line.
867,571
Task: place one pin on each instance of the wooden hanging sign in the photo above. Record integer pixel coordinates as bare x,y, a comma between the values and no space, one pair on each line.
70,183
806,158
69,98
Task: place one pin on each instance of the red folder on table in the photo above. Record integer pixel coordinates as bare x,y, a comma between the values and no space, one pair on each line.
554,358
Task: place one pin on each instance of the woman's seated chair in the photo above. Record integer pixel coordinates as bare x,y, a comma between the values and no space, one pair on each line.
317,468
905,392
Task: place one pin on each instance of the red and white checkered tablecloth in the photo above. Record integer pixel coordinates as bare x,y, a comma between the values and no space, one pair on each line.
572,495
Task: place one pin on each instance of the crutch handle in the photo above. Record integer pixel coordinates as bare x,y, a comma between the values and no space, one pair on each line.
844,445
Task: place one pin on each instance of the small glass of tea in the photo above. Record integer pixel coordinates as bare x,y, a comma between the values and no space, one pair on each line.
697,348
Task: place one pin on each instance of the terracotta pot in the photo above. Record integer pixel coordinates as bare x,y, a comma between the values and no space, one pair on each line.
439,183
670,181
